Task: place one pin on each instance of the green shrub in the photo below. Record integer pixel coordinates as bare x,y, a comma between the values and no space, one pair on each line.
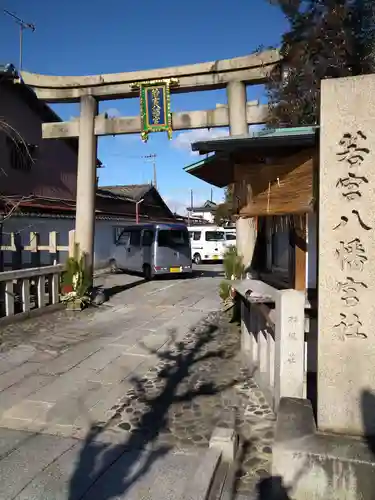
224,291
233,270
75,276
233,264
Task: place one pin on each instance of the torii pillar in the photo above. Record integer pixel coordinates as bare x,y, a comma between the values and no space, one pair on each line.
86,180
245,227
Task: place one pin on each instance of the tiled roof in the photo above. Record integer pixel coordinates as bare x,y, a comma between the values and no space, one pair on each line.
134,192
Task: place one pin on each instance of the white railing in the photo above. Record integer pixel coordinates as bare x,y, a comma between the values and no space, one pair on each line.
273,338
38,286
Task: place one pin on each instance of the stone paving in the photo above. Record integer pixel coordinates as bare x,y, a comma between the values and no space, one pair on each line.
156,367
199,384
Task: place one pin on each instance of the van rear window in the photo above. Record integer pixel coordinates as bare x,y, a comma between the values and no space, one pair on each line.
173,238
215,236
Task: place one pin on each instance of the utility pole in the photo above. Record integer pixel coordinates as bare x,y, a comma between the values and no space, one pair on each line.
152,157
23,25
191,206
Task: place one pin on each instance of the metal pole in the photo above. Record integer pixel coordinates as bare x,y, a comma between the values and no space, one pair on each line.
137,203
155,181
22,25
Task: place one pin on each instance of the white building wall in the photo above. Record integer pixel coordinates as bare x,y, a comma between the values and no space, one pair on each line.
103,245
208,216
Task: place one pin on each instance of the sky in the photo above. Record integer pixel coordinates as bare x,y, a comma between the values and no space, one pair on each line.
82,37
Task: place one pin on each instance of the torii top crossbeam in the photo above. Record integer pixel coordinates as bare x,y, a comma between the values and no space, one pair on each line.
251,69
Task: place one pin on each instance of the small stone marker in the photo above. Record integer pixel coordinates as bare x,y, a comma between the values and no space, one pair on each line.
346,319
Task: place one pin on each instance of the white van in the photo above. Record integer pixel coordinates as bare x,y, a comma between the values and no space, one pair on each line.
207,243
230,237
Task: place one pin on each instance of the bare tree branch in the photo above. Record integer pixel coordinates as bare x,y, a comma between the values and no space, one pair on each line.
13,201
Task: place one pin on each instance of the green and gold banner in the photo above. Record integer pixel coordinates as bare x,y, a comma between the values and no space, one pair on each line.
155,106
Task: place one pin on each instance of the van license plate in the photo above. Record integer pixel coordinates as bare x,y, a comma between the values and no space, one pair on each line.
216,257
175,269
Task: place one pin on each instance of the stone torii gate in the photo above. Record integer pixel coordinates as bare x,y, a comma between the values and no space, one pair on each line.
232,74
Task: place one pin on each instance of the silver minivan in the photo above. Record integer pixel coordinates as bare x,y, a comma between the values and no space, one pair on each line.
152,249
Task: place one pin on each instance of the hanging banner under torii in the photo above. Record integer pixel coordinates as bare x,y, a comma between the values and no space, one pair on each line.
155,101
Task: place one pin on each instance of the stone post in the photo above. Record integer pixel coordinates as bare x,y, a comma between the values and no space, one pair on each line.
245,228
346,268
86,179
236,94
289,345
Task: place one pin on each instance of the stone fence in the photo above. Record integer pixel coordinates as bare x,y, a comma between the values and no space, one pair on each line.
273,338
26,289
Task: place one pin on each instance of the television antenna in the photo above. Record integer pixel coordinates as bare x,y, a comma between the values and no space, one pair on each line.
23,25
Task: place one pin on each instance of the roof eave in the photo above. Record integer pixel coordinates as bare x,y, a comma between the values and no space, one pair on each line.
307,137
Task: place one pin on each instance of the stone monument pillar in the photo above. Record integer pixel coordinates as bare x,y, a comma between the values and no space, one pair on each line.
346,274
86,179
245,228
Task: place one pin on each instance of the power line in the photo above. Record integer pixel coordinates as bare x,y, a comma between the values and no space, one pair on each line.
23,25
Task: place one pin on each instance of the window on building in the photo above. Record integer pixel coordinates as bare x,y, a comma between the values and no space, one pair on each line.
21,154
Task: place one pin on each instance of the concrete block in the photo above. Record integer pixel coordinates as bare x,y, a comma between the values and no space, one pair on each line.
24,463
12,439
16,393
29,410
319,466
157,474
60,387
96,361
270,358
263,358
198,488
16,356
245,333
69,477
120,368
70,358
225,440
16,374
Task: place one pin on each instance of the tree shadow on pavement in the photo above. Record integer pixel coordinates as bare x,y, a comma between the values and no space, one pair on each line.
113,469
